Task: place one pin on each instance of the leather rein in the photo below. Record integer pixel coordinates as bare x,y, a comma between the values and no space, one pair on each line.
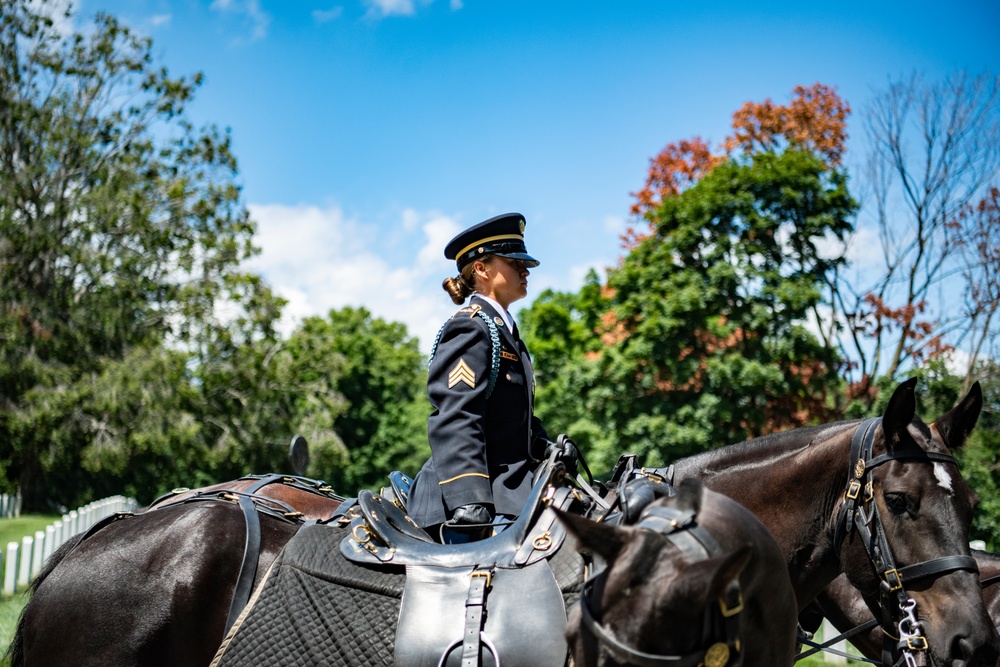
721,625
858,512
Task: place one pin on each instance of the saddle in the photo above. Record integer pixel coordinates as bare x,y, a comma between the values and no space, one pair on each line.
481,603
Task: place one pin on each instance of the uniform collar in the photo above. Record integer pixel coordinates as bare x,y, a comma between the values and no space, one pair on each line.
504,315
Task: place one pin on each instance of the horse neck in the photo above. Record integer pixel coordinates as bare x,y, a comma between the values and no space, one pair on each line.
793,481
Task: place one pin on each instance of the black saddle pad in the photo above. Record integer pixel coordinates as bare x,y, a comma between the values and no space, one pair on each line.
316,608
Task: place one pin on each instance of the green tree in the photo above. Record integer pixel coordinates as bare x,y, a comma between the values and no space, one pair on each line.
699,337
381,377
121,230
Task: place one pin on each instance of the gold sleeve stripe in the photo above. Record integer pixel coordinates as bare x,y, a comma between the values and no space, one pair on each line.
461,373
467,474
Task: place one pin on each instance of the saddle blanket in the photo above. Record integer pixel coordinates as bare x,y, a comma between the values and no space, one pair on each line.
316,608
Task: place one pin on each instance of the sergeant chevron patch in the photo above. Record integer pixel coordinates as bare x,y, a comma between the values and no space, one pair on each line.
461,373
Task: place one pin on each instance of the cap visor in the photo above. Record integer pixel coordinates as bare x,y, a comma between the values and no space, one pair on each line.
528,260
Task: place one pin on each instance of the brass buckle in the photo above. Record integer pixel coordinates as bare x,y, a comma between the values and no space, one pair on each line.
731,611
869,492
916,643
893,579
854,489
483,573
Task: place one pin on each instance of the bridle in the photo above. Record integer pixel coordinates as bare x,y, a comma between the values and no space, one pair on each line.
721,623
858,512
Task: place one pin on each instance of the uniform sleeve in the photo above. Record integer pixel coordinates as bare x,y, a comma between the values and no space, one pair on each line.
539,439
456,385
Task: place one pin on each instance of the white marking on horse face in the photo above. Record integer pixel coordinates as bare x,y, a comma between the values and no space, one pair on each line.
943,478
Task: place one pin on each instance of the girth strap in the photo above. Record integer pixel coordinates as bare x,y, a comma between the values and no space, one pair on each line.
479,587
248,568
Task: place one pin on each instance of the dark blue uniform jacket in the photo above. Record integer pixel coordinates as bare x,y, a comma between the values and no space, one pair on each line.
483,450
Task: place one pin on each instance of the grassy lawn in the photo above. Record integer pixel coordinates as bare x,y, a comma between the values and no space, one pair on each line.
12,530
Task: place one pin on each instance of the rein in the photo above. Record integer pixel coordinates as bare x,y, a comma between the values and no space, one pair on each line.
694,542
856,515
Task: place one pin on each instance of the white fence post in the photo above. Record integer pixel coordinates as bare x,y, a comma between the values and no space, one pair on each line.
23,561
50,541
37,552
24,564
10,574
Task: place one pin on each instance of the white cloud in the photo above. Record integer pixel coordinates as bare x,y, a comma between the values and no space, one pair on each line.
259,19
319,259
614,224
382,8
456,5
160,19
57,11
327,15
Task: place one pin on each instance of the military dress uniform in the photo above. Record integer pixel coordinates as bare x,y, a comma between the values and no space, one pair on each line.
485,440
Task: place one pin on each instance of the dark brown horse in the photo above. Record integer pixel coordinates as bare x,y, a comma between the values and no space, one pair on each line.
843,605
156,588
830,493
698,580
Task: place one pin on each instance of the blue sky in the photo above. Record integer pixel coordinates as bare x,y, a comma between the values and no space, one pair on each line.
370,131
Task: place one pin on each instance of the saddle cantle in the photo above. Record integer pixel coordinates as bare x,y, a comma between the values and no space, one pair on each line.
477,603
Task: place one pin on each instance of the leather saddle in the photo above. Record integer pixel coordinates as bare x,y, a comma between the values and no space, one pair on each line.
477,603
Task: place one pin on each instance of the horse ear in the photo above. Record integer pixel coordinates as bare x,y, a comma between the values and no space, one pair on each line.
958,422
899,413
689,493
705,580
602,539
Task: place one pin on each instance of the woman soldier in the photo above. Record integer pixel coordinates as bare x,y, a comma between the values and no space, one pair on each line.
485,440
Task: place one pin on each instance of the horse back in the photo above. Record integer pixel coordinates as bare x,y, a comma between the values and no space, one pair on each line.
152,589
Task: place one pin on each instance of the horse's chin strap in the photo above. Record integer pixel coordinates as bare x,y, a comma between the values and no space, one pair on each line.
908,635
680,528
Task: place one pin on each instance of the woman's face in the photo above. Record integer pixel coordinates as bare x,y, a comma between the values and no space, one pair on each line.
504,280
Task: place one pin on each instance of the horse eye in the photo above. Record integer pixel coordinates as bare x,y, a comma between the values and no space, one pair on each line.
897,503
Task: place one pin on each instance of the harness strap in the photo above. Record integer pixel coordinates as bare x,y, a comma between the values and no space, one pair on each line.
248,568
989,581
937,566
825,646
624,653
479,586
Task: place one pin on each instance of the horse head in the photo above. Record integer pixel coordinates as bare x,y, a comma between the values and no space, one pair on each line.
671,589
903,532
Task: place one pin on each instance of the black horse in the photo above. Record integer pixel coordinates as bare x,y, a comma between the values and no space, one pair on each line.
843,605
699,580
158,584
157,588
879,500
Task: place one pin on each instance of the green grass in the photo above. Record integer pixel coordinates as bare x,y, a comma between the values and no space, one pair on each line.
12,530
10,609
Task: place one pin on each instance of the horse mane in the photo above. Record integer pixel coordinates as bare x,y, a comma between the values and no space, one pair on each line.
792,439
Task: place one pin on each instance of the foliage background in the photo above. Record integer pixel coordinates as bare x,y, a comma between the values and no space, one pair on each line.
140,352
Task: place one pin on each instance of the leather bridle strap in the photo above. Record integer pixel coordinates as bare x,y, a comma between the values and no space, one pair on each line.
695,543
937,566
853,516
625,653
989,581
